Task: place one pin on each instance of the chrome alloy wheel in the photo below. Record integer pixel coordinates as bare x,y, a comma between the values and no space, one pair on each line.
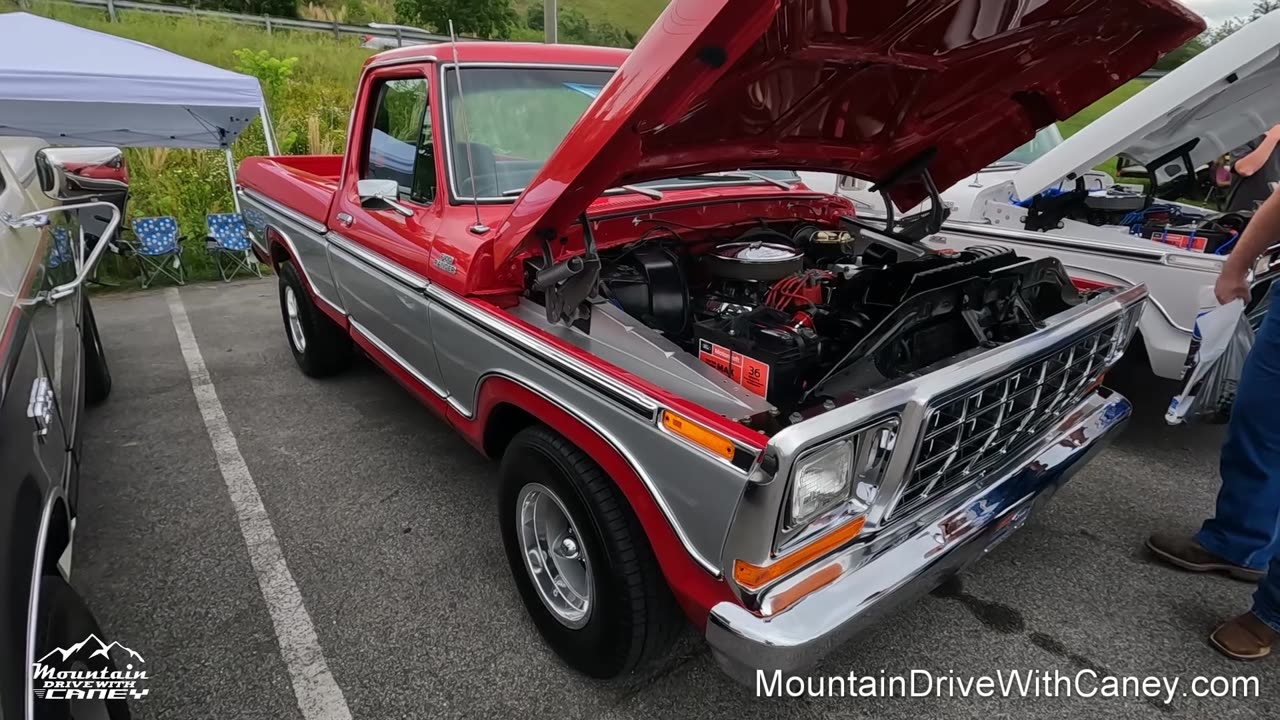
295,322
554,555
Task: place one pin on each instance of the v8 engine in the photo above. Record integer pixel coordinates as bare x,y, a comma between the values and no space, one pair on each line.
811,318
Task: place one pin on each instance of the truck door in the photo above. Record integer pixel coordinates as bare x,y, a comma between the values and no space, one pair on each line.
26,254
379,255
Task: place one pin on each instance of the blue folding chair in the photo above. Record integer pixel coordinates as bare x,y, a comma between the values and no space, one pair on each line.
61,253
228,243
159,249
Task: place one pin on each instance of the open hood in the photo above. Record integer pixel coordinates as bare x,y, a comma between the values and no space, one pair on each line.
1224,97
862,89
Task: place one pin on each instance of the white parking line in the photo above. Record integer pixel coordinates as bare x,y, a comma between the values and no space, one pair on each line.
318,694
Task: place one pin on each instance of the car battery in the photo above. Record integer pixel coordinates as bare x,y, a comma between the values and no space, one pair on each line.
1195,238
762,350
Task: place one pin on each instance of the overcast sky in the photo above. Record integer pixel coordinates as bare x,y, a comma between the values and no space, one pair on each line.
1215,11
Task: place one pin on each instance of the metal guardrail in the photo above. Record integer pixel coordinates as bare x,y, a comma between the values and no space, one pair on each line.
402,36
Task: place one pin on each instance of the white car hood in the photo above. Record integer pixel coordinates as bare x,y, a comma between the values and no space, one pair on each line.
1225,96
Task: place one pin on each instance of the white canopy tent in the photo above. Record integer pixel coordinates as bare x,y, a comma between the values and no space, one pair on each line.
68,85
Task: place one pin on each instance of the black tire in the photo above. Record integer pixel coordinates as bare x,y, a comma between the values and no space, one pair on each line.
326,348
97,373
63,621
633,618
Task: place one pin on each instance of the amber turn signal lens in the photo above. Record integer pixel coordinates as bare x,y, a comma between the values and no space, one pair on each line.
754,577
714,443
812,583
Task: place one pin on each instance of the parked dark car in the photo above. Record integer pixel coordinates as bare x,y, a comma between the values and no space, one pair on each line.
53,367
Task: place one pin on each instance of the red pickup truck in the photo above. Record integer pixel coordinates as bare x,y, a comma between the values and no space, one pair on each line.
712,389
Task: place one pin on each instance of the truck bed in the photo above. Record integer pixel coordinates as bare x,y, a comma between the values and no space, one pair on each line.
304,184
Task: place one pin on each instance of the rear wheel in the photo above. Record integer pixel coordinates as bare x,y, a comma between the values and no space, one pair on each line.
319,346
63,621
580,559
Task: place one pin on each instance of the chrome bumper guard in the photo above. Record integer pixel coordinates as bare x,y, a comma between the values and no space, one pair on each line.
902,563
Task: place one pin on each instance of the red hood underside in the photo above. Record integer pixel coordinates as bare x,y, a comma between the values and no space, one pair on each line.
855,88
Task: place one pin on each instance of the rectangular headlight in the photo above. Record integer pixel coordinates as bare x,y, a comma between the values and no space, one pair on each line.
846,473
821,480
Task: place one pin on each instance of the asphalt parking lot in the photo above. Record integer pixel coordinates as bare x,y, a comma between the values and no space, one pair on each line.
388,524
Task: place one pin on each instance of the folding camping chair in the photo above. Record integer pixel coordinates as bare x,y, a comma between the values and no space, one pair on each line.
228,243
159,249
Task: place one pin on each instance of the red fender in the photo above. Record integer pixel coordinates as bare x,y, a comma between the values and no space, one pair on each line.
694,588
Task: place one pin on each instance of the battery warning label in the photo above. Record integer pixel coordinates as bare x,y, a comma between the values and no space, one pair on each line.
748,372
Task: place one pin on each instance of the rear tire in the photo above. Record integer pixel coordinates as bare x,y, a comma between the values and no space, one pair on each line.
629,617
63,621
97,374
319,346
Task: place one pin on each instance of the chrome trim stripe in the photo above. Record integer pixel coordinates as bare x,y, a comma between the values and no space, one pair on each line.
267,203
387,267
455,198
621,448
1096,247
395,357
33,601
399,61
643,404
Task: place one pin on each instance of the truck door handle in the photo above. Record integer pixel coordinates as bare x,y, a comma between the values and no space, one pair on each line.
40,406
345,220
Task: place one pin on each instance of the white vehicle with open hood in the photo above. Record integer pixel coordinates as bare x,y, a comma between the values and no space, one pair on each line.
1044,200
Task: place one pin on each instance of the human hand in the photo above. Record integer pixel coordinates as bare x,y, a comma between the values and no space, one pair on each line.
1231,284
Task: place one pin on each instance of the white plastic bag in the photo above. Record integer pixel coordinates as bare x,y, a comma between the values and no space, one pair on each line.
1214,365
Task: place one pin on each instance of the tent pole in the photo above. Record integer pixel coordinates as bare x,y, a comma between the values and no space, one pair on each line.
268,130
231,175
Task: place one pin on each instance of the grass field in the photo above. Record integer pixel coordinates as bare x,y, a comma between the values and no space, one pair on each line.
310,108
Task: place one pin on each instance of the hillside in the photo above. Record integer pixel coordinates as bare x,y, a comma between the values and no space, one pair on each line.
633,15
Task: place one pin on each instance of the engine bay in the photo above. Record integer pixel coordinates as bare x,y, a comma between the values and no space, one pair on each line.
810,318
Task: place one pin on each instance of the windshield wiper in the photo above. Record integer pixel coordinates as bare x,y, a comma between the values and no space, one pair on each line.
747,174
647,192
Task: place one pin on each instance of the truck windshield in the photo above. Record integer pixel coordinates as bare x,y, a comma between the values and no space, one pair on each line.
516,117
1047,139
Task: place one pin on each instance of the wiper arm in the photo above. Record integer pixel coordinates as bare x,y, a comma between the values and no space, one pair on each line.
647,192
747,174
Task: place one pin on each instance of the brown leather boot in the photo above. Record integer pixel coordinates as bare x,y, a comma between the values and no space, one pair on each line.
1184,552
1244,638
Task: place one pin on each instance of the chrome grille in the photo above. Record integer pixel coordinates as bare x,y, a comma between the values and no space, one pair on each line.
967,435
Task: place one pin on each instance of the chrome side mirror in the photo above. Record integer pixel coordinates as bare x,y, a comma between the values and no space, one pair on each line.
82,173
386,192
40,218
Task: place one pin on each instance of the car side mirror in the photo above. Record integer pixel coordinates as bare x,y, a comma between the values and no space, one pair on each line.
375,193
40,219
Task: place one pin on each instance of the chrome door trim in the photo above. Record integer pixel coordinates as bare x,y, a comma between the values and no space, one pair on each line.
395,357
403,275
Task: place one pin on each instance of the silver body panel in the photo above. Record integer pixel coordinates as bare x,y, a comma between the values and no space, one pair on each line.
621,340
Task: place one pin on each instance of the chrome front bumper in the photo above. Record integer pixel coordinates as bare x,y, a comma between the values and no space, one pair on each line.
908,560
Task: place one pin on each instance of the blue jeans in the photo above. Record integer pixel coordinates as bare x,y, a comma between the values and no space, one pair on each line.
1245,528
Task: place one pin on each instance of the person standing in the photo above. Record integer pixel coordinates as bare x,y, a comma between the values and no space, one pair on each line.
1255,172
1242,539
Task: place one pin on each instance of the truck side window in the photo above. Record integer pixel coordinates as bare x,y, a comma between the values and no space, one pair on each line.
400,146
